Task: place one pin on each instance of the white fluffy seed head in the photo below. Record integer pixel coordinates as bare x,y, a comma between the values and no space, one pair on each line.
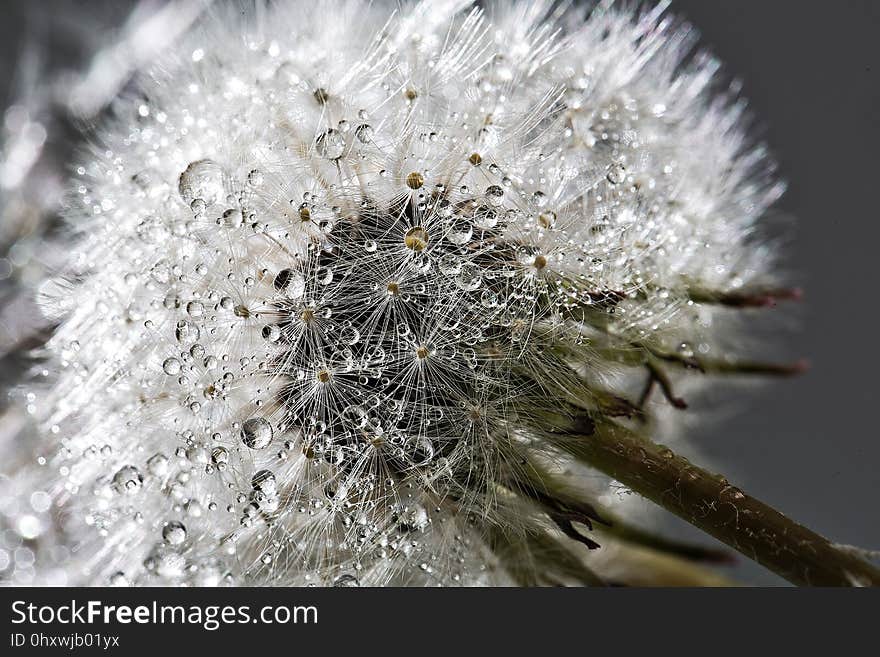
337,266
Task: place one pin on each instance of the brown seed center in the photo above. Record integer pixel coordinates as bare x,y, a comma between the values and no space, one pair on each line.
416,239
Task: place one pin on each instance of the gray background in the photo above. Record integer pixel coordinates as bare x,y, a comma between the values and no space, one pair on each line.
811,446
808,446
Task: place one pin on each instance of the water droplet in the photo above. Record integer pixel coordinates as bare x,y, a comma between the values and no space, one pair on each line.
119,579
364,133
330,144
469,278
171,366
202,179
271,332
485,218
416,239
256,433
421,450
444,208
128,480
460,231
186,332
547,219
291,282
264,481
324,275
349,335
174,533
233,218
345,581
450,264
616,173
494,195
157,465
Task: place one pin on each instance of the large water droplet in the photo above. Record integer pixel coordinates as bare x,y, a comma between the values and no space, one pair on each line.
202,179
345,581
364,133
256,433
291,282
460,231
174,533
128,480
469,278
186,332
330,144
616,173
171,366
416,239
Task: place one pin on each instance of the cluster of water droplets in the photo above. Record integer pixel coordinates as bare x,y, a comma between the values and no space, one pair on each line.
322,283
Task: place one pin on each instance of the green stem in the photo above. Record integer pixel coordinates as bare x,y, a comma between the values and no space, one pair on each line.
709,502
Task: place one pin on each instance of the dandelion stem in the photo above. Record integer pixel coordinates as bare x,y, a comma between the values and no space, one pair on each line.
709,502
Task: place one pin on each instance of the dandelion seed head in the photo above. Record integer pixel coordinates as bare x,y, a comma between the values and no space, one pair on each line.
330,283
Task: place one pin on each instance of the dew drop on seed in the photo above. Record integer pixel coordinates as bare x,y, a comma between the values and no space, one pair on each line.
127,480
469,278
256,433
202,179
460,231
324,275
330,144
494,195
118,579
416,239
157,465
174,533
233,218
186,332
220,455
346,581
349,335
616,173
450,264
291,282
171,366
485,218
264,480
364,133
271,332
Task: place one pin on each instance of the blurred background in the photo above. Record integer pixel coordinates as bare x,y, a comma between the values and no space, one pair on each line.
808,446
